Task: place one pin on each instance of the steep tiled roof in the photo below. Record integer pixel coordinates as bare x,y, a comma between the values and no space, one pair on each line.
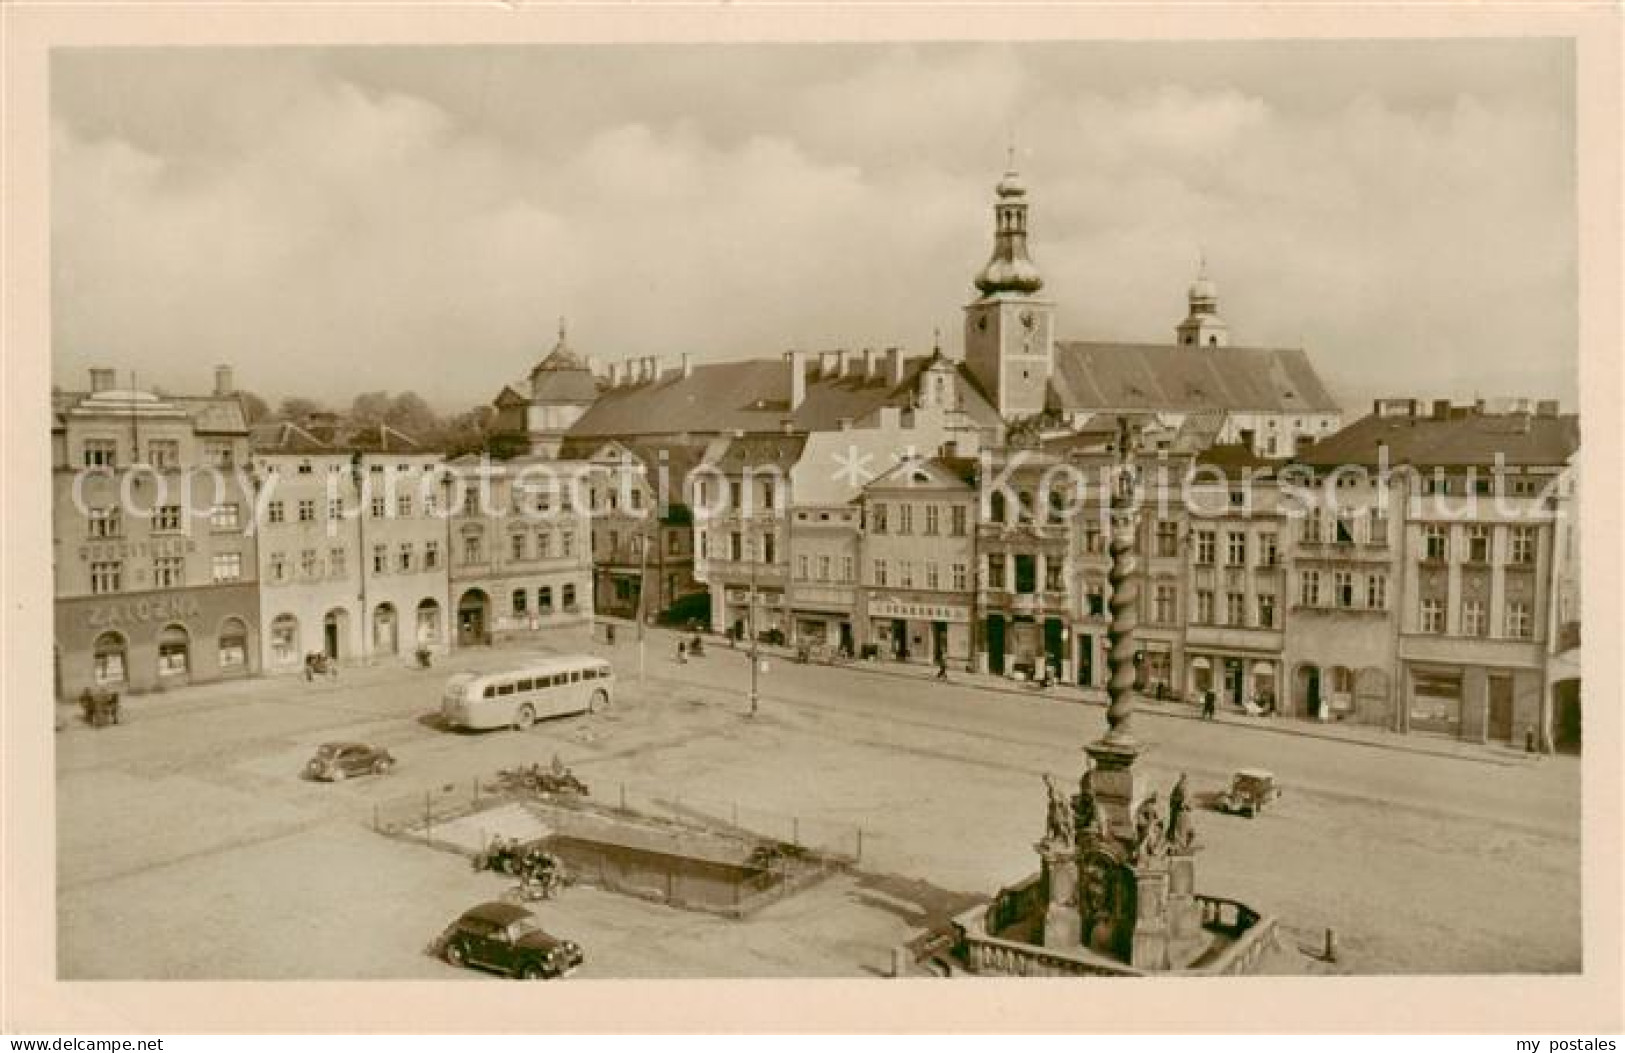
1456,441
285,437
211,414
1170,377
758,451
562,385
679,459
1230,457
220,414
326,437
937,473
751,396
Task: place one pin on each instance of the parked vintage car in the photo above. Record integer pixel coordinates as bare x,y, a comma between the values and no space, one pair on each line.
506,938
335,761
1250,790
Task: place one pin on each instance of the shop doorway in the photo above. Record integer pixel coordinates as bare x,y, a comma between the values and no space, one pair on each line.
995,644
1235,681
1501,709
1308,692
847,647
335,626
386,636
939,642
1566,715
899,639
471,617
1086,660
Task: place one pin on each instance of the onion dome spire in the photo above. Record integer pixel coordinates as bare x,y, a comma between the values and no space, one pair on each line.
1010,270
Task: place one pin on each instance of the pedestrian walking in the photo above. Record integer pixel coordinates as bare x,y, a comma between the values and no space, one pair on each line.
942,667
609,634
1210,702
682,653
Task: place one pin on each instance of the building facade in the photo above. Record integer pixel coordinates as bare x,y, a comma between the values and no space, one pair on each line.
519,538
918,562
740,494
154,565
1469,558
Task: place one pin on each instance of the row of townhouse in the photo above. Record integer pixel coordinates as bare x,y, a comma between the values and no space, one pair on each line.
1404,573
189,547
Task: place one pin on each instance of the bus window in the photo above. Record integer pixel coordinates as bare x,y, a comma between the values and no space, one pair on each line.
505,688
490,691
527,684
575,675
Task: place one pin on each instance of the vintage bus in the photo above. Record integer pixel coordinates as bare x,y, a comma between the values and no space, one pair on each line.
533,690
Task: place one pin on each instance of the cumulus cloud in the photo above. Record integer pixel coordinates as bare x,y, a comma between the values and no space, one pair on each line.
332,222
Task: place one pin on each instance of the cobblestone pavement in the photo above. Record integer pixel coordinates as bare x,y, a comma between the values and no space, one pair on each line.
189,847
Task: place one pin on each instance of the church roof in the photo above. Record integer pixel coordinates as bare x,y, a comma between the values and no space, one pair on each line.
1091,375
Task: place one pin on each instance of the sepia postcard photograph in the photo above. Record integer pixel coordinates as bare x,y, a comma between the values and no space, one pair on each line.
544,513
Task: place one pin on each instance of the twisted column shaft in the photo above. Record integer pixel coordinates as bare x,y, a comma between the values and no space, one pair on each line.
1124,577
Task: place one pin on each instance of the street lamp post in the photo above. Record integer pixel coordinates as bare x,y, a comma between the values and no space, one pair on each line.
643,591
755,662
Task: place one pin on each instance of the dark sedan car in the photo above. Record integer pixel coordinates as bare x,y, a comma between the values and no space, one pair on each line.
340,760
505,938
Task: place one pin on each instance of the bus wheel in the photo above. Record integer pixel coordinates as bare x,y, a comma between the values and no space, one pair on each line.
525,717
598,701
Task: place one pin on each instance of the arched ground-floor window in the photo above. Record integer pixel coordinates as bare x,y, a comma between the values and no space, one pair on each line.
174,651
233,646
285,639
110,662
428,622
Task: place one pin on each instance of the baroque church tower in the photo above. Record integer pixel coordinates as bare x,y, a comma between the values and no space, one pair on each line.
1203,327
1009,330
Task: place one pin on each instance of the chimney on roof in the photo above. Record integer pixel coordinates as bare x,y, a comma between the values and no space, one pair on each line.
829,364
845,423
1546,408
894,366
841,357
223,384
787,425
591,364
798,377
654,368
102,379
868,363
614,374
688,365
1441,409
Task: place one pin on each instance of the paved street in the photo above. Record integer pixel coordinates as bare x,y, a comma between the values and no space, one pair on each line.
190,848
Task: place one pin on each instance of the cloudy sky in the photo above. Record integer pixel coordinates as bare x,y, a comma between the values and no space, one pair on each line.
338,220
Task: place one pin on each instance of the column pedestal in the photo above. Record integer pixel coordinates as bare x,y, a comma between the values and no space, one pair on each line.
1184,916
1151,929
1063,927
1116,790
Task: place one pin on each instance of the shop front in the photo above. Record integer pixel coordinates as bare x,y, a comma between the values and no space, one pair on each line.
768,619
925,630
156,640
1435,700
1236,679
